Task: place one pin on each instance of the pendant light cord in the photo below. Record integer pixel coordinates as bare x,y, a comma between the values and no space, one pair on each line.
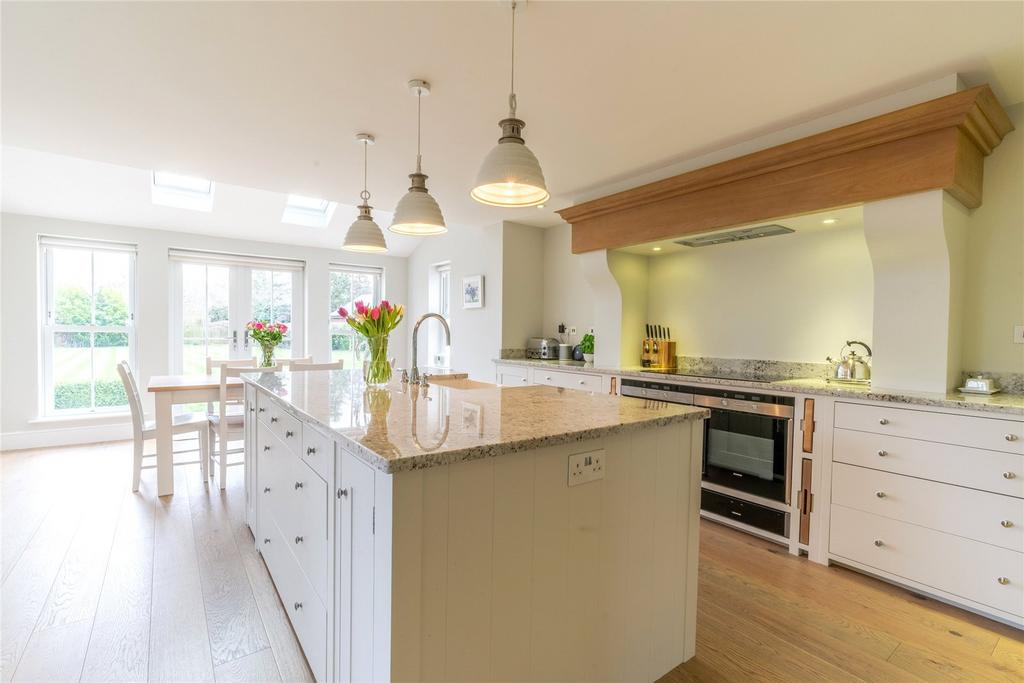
512,80
419,102
364,195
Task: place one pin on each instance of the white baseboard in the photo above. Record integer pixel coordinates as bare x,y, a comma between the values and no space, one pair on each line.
65,436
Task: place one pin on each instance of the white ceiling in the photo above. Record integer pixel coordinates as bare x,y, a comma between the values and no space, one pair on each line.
269,95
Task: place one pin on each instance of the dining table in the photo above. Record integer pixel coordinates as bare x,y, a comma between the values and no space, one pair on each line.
171,390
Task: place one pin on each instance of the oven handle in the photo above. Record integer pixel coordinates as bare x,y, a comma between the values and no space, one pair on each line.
766,409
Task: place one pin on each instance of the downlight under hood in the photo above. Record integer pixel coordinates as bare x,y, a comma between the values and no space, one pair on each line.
737,235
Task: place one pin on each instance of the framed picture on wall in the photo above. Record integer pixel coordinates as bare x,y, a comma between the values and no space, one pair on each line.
473,291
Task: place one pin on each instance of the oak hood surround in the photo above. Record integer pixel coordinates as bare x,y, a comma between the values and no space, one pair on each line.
939,144
404,427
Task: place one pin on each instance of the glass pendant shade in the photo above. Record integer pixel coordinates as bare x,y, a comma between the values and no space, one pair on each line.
364,234
510,174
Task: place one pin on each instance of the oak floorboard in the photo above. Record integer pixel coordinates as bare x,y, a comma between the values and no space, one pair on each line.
55,655
259,667
118,652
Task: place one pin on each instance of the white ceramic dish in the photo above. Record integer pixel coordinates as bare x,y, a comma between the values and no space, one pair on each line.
979,392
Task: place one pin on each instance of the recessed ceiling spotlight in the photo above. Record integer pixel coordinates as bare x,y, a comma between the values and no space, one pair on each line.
830,221
656,249
540,206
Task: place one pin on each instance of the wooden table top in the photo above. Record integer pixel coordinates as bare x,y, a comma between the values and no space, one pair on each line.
188,382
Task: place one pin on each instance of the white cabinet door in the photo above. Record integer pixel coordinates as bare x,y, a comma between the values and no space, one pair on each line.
355,534
513,375
250,457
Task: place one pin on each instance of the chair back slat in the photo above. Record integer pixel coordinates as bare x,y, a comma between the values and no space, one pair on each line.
221,366
131,389
289,362
307,367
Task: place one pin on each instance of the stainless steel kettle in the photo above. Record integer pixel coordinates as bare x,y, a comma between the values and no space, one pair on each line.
851,367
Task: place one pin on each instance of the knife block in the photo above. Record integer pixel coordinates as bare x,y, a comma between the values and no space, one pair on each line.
658,354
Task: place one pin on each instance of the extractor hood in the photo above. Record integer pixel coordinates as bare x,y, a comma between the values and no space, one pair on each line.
735,235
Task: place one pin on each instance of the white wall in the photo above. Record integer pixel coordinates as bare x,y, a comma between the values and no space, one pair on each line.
20,361
994,296
567,296
632,273
476,332
795,297
523,284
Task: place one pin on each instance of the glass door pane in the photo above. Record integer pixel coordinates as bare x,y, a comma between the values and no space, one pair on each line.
272,301
205,315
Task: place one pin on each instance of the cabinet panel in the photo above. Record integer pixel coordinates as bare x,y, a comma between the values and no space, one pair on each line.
512,375
566,380
318,452
970,569
355,530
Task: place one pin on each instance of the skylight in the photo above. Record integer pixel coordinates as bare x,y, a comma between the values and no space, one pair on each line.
308,211
182,191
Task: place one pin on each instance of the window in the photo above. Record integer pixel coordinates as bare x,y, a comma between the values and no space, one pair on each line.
348,285
182,191
215,295
440,288
308,211
88,324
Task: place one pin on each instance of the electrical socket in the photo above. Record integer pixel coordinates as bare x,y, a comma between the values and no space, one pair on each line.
586,467
1018,334
572,330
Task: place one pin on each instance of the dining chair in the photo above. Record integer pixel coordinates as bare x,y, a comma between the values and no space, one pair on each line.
307,367
285,363
143,430
226,420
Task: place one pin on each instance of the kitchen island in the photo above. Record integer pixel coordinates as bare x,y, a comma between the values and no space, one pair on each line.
467,531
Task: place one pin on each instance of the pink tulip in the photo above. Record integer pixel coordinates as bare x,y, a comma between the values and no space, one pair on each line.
282,328
360,308
375,313
385,304
259,326
342,312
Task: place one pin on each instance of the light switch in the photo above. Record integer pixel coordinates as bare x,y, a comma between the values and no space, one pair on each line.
586,467
1018,334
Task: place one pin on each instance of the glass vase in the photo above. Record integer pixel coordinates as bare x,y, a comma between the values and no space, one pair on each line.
268,355
377,370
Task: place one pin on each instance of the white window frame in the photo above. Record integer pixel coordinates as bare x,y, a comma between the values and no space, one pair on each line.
48,327
352,269
240,302
440,291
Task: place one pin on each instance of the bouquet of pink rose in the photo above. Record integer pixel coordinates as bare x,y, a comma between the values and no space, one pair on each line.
375,323
268,335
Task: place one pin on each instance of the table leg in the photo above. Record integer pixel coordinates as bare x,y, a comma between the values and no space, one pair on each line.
164,444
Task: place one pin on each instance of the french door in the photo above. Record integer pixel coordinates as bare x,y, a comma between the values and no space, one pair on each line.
214,296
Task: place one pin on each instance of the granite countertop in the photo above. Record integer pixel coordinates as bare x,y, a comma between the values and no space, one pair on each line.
402,427
1006,404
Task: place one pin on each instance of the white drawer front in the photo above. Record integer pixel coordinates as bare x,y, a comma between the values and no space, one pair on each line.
974,467
567,380
305,609
962,430
303,521
986,517
318,452
512,375
977,571
282,423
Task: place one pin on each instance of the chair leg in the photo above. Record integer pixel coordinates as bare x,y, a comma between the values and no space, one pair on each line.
223,453
211,439
204,453
137,447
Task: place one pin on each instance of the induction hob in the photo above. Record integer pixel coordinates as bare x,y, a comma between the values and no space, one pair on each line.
722,376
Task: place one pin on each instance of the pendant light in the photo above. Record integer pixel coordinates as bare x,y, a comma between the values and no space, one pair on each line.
364,234
417,213
511,175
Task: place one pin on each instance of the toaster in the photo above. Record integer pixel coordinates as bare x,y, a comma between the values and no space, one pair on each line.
544,348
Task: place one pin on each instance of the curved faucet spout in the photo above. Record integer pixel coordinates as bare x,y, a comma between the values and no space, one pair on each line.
414,376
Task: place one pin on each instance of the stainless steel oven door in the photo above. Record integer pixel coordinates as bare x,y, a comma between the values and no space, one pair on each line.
748,446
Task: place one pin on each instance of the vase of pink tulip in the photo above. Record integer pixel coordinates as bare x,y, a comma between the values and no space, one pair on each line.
268,335
375,323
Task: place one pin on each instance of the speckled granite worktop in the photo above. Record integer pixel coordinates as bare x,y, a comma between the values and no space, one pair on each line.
402,427
1006,404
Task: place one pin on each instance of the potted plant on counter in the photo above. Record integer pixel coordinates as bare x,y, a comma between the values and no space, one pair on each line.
375,323
587,347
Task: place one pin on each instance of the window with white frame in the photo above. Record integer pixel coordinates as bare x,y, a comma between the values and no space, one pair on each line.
349,284
88,324
440,288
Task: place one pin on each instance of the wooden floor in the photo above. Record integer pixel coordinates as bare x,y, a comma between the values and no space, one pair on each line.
100,584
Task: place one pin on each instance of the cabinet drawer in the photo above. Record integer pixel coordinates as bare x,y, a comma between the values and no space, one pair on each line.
305,609
962,430
282,423
982,516
513,375
970,569
973,467
318,452
567,380
302,518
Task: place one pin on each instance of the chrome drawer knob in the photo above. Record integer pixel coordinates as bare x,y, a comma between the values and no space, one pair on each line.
582,382
879,543
1010,437
298,539
524,379
1009,475
310,450
883,421
880,494
263,410
1006,524
265,541
547,379
298,485
266,448
1003,580
266,489
297,606
289,433
273,419
882,454
342,492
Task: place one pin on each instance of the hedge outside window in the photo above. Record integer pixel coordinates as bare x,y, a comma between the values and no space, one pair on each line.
348,285
88,325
